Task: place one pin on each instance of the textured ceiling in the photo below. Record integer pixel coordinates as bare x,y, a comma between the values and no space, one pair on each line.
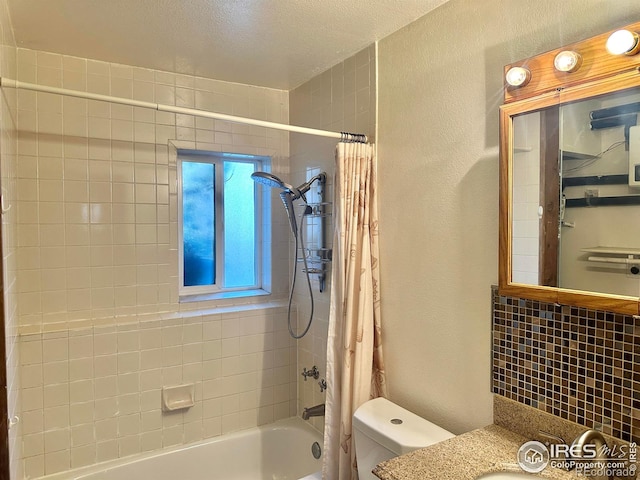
273,43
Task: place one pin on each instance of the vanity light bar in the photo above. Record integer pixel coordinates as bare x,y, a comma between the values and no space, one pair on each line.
621,42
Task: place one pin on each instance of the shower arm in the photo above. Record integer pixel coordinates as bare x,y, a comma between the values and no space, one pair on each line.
300,191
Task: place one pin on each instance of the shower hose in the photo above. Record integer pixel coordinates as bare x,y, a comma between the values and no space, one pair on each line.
299,239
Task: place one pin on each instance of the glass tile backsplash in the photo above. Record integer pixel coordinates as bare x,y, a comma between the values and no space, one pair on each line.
579,364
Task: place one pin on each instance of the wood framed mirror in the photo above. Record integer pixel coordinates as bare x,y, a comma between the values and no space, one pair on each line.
570,177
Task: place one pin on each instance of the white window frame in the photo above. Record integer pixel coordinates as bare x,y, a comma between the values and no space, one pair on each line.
218,290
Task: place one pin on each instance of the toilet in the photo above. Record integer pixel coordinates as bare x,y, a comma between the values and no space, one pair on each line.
383,430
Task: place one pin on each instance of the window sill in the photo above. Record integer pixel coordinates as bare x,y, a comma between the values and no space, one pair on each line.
205,297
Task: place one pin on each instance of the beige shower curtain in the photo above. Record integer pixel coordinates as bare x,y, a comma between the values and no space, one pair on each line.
355,369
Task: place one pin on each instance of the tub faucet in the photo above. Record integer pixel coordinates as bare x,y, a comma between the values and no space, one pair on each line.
317,411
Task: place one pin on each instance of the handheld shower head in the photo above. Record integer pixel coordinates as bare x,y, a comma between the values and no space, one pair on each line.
290,192
270,180
287,196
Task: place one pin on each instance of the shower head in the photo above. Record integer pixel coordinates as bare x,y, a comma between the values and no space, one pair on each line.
270,180
287,196
290,192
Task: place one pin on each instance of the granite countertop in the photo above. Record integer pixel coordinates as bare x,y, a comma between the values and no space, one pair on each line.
465,457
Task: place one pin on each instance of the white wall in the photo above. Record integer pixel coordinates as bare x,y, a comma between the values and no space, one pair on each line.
440,82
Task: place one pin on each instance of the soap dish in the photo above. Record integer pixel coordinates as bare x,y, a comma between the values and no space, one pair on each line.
178,397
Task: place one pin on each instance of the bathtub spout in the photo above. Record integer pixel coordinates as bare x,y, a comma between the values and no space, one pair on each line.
317,411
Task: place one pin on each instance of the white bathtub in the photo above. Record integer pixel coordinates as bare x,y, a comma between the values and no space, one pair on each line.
279,451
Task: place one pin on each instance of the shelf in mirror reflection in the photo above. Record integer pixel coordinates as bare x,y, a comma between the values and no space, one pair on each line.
613,250
623,256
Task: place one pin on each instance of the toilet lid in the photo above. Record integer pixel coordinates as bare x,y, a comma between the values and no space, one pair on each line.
395,428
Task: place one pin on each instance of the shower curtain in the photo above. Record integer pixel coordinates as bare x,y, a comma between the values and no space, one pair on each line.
355,369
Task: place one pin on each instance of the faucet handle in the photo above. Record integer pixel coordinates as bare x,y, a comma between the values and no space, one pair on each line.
551,438
314,372
323,385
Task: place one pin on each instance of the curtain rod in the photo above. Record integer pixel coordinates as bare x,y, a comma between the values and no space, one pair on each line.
342,136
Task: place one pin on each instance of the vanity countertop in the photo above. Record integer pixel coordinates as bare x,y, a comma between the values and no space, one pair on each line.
465,457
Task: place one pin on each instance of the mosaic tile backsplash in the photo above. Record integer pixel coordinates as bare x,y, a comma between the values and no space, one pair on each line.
579,364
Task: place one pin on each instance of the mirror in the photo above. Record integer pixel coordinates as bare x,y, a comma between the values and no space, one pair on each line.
575,211
570,187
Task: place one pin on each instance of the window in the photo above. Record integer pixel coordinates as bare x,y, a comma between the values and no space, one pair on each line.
218,216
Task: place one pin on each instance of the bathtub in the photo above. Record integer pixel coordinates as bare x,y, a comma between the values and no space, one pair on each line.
279,451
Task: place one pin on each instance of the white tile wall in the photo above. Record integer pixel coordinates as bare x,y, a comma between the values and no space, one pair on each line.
341,99
93,394
96,256
526,198
96,198
8,170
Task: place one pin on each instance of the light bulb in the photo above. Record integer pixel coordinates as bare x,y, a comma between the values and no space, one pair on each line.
623,42
567,61
518,76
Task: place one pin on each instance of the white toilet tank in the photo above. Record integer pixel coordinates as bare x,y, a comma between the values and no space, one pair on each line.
383,430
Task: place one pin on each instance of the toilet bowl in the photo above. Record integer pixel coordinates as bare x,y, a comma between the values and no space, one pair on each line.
383,430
